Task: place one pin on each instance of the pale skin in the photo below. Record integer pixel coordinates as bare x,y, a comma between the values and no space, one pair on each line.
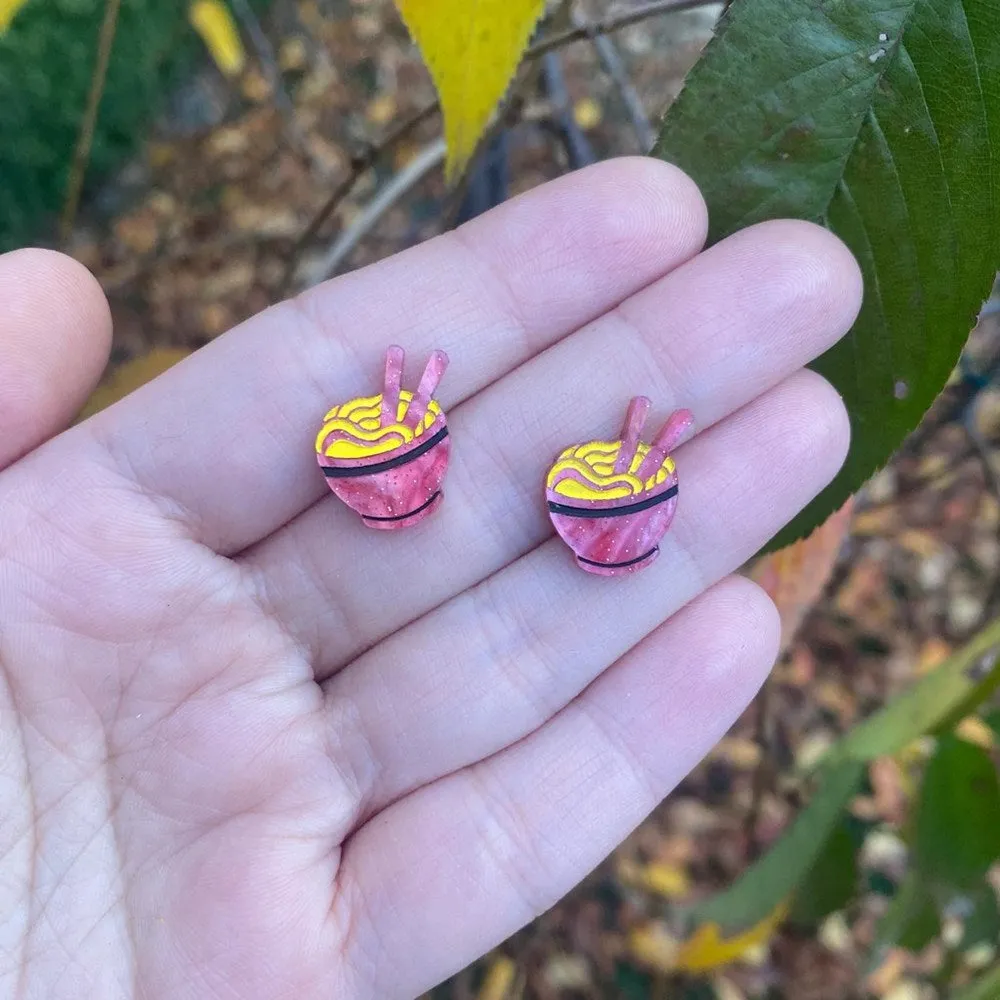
250,748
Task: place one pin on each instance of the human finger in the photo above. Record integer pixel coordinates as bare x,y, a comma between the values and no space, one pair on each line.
55,335
501,841
791,290
226,437
494,663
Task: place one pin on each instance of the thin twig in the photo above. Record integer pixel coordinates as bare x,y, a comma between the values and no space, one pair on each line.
363,163
611,23
764,770
269,63
272,72
488,184
360,165
579,151
81,154
607,52
409,177
982,448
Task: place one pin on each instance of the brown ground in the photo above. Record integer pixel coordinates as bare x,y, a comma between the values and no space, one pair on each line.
193,238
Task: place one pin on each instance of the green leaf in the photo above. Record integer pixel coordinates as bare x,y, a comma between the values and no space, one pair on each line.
46,61
769,882
957,829
632,983
934,704
992,719
831,882
879,119
698,989
912,921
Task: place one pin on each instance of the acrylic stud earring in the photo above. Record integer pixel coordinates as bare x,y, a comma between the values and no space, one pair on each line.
386,455
611,502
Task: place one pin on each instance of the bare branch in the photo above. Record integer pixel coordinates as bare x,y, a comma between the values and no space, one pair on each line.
373,153
611,23
359,166
763,773
615,68
409,177
269,63
579,151
85,139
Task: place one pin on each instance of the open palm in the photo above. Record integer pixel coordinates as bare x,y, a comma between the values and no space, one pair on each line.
250,748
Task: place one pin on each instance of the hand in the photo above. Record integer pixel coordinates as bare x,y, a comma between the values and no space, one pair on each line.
252,749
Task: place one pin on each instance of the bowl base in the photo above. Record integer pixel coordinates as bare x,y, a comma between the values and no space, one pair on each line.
618,569
405,520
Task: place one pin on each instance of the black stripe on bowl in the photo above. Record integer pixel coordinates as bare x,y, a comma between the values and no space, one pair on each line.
340,472
620,565
403,517
593,512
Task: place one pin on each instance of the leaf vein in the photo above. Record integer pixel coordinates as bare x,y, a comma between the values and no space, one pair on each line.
867,256
890,159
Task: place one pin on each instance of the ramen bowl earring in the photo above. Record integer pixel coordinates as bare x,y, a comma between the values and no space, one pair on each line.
386,455
611,502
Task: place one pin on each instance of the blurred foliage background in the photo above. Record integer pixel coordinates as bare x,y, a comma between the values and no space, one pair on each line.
47,57
221,178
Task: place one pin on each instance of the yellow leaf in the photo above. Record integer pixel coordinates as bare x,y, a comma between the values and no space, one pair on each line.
256,87
8,10
651,944
708,949
381,109
972,729
498,980
587,113
472,49
212,20
130,376
293,55
667,880
882,980
932,654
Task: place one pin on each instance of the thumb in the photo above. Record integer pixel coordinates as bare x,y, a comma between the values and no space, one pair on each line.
55,335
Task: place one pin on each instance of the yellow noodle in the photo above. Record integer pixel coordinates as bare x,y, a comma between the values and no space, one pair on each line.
361,420
594,462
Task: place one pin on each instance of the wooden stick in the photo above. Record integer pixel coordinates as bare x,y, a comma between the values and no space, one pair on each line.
678,424
433,373
635,419
394,358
